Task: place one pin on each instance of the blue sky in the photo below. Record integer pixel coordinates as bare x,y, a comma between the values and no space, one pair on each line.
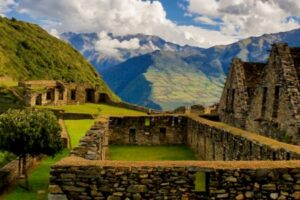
200,23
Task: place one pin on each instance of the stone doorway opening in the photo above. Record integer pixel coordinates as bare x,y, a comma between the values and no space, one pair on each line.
90,95
38,100
132,135
103,98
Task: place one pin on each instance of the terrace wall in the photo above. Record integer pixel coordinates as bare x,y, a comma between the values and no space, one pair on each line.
148,130
209,140
75,178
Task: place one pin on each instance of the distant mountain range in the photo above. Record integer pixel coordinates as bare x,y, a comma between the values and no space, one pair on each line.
164,75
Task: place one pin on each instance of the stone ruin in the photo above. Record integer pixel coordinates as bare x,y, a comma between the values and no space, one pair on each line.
233,163
51,92
265,97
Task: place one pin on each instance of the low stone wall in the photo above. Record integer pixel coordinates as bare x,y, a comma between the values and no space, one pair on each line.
133,107
148,130
76,178
218,141
9,172
93,146
61,114
209,140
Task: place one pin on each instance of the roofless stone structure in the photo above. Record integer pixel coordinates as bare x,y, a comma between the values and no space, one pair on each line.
265,98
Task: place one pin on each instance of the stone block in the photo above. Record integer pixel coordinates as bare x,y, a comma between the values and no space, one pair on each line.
137,189
57,197
55,189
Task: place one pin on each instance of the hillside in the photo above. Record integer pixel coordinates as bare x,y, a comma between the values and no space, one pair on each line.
27,52
162,80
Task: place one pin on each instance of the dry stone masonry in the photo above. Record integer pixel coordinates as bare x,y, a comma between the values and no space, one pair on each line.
234,163
89,175
93,145
51,92
75,178
265,98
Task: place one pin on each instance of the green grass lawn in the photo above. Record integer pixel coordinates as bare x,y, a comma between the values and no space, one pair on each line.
77,129
38,181
150,153
95,109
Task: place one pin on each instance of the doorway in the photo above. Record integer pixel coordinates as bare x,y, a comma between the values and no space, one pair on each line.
90,95
38,100
132,136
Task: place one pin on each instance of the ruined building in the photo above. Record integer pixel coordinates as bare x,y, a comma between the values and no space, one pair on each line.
50,92
265,98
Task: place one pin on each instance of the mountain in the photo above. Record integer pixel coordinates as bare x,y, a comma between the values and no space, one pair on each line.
27,52
183,75
163,80
89,44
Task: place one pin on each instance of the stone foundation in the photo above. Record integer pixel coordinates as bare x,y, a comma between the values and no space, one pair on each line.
76,178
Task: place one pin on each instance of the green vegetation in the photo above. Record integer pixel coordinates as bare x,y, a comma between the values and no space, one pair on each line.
27,52
38,179
77,129
150,153
8,83
29,133
95,109
6,157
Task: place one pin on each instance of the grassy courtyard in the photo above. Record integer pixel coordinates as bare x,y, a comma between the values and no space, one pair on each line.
95,109
150,153
77,129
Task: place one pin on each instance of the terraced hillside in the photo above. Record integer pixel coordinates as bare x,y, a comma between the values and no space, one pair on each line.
27,52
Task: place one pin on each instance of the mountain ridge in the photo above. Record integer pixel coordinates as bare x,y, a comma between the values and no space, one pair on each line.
199,68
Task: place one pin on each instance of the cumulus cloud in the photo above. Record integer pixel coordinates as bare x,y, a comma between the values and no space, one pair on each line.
6,6
205,20
110,47
234,19
119,17
248,18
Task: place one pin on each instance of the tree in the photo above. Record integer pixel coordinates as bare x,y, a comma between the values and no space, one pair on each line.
29,132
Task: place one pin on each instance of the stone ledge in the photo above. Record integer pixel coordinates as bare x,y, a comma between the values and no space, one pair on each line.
274,144
77,161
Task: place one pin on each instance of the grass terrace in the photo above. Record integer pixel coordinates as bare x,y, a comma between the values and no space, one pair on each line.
95,109
150,153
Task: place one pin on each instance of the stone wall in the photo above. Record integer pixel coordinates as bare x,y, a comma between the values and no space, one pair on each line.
51,92
279,117
148,130
9,172
209,140
75,178
93,146
265,98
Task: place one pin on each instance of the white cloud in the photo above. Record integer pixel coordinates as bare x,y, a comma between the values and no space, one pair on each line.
119,17
110,46
236,18
54,32
205,20
5,6
248,18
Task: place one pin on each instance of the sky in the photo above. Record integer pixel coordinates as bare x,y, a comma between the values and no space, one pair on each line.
202,23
